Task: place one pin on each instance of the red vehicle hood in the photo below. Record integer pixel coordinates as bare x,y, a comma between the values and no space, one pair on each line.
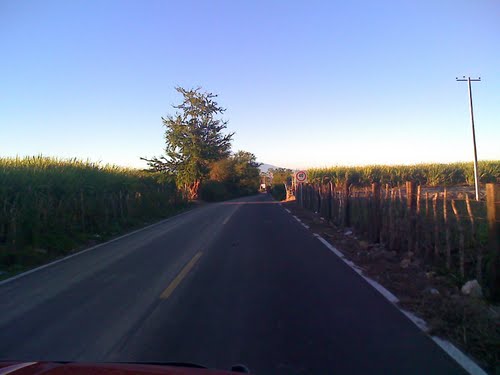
55,368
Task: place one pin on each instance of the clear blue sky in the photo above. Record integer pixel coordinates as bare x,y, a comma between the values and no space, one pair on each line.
309,83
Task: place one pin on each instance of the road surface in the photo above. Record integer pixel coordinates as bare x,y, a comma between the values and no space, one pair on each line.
231,282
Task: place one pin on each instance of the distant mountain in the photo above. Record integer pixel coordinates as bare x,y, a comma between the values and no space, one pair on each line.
265,167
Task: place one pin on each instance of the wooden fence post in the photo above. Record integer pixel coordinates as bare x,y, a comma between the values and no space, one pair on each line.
426,228
376,223
493,214
322,200
311,196
426,204
347,217
411,203
447,229
305,196
339,207
302,196
314,198
479,255
391,226
436,225
417,219
330,199
308,191
297,195
461,240
319,194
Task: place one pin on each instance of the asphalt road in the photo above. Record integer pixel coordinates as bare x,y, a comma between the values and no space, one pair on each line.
232,282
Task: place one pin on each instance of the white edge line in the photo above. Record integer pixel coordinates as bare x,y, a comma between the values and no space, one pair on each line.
89,249
419,322
300,221
287,210
329,246
463,360
468,364
13,368
388,295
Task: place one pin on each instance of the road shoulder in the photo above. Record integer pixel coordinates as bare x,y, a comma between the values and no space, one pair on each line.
87,246
427,299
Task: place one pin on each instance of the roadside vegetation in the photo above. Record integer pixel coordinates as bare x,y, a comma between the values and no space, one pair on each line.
198,151
417,230
278,192
281,176
51,206
231,177
433,174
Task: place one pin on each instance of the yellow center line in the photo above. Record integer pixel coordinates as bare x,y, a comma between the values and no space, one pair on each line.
170,289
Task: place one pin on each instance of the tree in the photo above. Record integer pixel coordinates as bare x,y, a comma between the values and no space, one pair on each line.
194,140
240,172
222,170
281,175
246,170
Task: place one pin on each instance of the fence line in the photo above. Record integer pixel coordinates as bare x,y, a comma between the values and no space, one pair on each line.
454,234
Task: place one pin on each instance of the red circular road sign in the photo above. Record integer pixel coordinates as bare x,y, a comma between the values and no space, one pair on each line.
301,176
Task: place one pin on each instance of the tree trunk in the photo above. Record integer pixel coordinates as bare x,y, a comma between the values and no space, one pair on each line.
193,190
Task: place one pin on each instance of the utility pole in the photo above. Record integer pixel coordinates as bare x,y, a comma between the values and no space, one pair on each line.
476,173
